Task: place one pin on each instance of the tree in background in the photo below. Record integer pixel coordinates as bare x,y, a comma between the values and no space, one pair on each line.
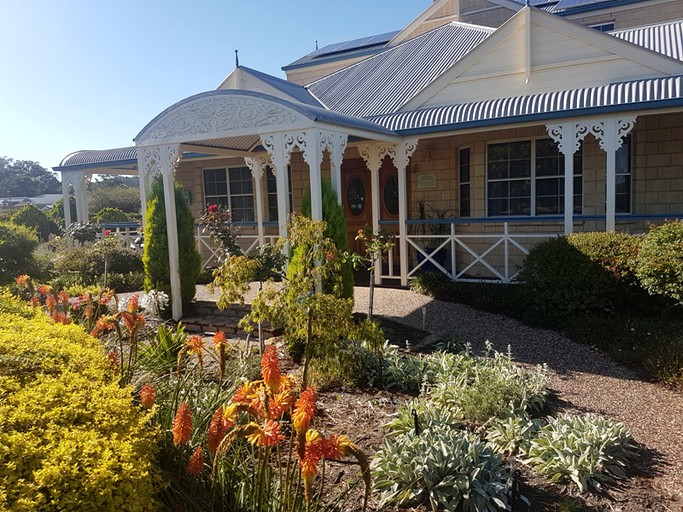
17,243
126,199
155,257
24,178
56,213
31,217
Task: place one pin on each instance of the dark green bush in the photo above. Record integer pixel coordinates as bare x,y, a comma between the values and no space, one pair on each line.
155,258
56,213
581,273
17,243
337,230
31,217
660,261
126,199
110,215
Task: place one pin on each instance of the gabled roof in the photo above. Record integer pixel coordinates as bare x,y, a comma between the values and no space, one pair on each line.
290,89
664,38
613,98
382,83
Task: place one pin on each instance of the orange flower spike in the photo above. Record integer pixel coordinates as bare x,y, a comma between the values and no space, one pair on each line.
35,301
59,317
44,289
195,344
281,403
50,302
64,298
147,396
195,465
309,463
182,425
304,410
22,279
219,340
270,368
268,435
133,304
223,419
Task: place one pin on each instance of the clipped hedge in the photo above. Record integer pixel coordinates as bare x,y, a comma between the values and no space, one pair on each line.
581,273
70,437
110,215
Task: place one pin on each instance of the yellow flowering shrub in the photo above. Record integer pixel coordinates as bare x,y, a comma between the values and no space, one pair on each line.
70,437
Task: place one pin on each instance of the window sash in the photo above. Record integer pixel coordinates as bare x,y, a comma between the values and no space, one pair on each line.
464,175
527,178
232,188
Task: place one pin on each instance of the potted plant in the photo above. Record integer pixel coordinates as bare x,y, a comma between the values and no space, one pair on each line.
437,230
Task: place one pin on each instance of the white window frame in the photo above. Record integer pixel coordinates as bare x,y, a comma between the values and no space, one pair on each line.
230,195
468,182
532,177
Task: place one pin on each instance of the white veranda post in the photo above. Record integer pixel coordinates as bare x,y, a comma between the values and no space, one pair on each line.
78,180
568,137
257,166
275,145
402,158
373,154
163,160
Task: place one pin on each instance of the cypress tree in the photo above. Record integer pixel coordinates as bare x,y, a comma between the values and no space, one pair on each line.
155,256
337,230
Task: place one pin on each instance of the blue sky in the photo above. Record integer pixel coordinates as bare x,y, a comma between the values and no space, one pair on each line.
77,74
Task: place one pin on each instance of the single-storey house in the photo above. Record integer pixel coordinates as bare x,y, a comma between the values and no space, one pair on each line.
479,129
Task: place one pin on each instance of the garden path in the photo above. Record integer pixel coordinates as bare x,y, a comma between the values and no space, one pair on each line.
584,379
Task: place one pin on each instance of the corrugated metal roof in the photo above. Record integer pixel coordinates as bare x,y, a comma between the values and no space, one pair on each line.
639,94
96,156
384,82
294,91
664,38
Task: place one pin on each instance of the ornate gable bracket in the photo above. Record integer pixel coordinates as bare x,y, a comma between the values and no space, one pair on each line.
609,132
156,160
77,179
374,153
404,152
257,164
335,143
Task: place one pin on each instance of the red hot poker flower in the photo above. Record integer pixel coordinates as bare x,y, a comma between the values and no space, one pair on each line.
270,368
219,340
147,396
195,466
304,410
182,425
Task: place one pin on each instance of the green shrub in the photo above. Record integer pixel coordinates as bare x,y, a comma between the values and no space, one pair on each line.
155,258
585,450
584,272
337,230
31,217
17,243
421,414
660,261
86,264
448,467
126,199
434,284
69,435
126,282
512,434
110,215
484,387
56,213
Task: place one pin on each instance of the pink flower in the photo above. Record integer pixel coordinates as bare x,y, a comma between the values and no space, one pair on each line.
213,208
107,232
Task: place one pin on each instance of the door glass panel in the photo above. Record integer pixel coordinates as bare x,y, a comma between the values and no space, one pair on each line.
355,196
390,194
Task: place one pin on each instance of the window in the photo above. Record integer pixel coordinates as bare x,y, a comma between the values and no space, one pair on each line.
527,178
603,27
623,177
464,165
232,188
271,185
